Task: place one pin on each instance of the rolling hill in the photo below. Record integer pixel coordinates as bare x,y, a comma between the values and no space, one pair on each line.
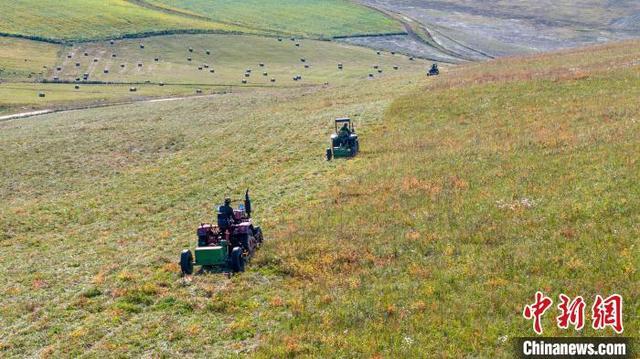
472,191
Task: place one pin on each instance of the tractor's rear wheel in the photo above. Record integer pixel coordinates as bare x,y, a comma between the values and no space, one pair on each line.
329,154
237,260
186,262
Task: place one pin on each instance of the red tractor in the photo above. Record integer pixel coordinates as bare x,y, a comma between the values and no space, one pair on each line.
227,245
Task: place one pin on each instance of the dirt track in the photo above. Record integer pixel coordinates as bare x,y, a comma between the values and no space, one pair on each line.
463,30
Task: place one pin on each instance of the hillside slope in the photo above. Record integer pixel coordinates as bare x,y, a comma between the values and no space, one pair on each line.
473,190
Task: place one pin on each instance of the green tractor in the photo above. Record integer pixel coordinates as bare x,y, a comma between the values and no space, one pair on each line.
227,245
344,142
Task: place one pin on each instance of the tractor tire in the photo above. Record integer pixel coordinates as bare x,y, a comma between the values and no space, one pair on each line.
257,233
186,262
329,154
237,260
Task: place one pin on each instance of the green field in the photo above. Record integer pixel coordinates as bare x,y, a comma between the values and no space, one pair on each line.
92,19
230,56
315,18
472,191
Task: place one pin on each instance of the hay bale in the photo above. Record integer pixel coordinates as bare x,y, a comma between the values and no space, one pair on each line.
303,60
191,49
132,89
41,94
393,52
395,67
378,52
86,54
69,56
261,64
339,66
212,71
306,66
77,87
248,70
139,64
293,39
95,60
376,66
114,55
280,39
56,78
198,91
265,74
77,64
77,79
142,46
188,59
106,71
246,74
200,68
244,81
161,84
370,75
297,45
208,52
273,80
380,71
58,68
112,42
206,66
156,59
411,59
122,65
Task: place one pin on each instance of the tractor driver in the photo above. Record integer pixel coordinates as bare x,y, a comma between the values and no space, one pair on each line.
344,134
225,214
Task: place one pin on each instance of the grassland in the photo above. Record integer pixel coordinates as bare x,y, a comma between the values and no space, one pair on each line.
230,56
313,18
92,19
472,191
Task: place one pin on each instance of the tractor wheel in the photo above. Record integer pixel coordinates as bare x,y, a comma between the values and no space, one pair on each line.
258,235
329,154
186,262
237,260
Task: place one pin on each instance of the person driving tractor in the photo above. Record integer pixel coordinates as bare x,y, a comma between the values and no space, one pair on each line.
225,214
344,134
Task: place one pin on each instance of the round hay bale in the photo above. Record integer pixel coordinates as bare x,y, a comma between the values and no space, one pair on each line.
58,68
247,74
265,74
206,66
132,89
306,66
122,65
393,52
77,64
77,79
139,64
303,60
77,87
297,44
41,94
95,60
188,59
280,39
161,84
244,81
212,71
56,78
112,42
273,80
198,91
200,68
248,70
378,52
191,49
208,52
142,46
339,66
261,64
293,39
376,67
395,67
380,71
69,56
86,54
411,59
114,55
370,75
106,71
156,59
